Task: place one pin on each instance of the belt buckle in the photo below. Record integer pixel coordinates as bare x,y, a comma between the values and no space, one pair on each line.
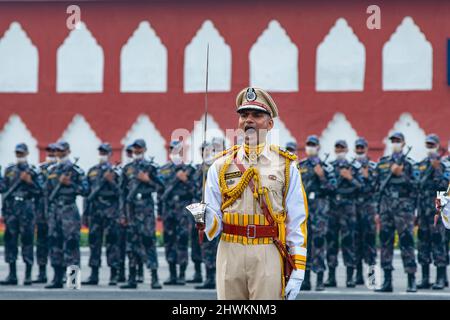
139,196
18,198
251,227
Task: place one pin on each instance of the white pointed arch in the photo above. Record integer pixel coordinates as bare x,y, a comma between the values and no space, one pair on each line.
15,131
144,128
143,62
196,138
414,136
341,60
280,134
407,59
18,61
80,62
339,128
274,60
219,61
83,142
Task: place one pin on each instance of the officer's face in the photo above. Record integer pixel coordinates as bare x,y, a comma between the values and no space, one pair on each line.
61,153
138,150
340,149
255,124
360,150
51,154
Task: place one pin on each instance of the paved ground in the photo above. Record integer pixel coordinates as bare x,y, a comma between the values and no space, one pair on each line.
103,291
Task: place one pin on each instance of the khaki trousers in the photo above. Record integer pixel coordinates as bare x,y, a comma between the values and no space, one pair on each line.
248,272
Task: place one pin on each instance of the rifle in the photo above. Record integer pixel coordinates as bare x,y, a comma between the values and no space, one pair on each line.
316,161
15,185
55,191
136,184
175,181
388,178
100,184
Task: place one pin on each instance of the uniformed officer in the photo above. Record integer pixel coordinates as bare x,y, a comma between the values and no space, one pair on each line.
292,147
396,189
256,201
320,182
180,188
366,205
342,217
102,215
433,175
21,185
65,182
42,245
139,182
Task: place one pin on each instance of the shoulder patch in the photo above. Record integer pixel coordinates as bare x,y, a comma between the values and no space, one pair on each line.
283,152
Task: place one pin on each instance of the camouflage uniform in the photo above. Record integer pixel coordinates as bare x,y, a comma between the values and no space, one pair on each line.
177,221
140,214
19,211
318,191
64,218
103,215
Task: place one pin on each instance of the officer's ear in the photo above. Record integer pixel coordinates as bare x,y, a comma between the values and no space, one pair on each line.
270,123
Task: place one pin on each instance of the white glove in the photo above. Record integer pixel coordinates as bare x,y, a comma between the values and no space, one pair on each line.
294,284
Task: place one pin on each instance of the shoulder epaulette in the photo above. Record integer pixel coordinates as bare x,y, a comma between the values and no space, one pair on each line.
225,152
283,152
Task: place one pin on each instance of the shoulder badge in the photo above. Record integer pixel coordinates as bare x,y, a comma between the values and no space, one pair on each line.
283,152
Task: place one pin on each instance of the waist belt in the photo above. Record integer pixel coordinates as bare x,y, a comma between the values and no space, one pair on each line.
251,231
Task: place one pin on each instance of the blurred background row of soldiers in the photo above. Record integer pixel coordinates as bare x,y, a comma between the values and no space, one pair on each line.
121,205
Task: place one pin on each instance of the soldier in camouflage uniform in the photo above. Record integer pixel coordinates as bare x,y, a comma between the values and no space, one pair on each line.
319,182
41,217
139,182
180,189
21,186
433,175
65,182
365,212
397,192
101,215
342,218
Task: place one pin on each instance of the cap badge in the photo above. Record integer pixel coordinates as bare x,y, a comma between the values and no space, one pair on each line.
250,95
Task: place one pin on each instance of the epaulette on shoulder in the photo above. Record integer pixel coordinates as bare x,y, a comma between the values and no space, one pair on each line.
225,152
283,152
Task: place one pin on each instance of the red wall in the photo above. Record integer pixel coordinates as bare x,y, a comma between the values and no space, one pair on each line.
111,113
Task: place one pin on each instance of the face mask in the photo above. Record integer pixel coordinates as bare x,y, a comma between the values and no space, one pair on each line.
396,147
21,159
176,158
63,159
311,151
138,156
341,155
361,156
103,158
432,151
50,159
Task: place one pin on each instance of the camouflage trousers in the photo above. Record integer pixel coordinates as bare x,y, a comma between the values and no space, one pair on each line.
42,245
209,252
341,222
104,225
397,214
122,245
433,243
141,237
317,233
177,228
19,222
365,233
64,233
196,250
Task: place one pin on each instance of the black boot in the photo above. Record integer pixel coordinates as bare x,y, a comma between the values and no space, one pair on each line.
331,281
11,279
306,284
173,275
210,282
425,283
197,275
181,280
155,282
440,279
319,283
113,277
140,273
131,284
445,277
57,282
93,278
42,276
350,282
27,281
411,283
359,274
122,277
387,284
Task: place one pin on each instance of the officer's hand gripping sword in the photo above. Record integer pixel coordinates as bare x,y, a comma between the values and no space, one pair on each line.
198,209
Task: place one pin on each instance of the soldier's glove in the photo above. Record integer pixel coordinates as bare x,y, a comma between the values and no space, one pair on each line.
294,284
